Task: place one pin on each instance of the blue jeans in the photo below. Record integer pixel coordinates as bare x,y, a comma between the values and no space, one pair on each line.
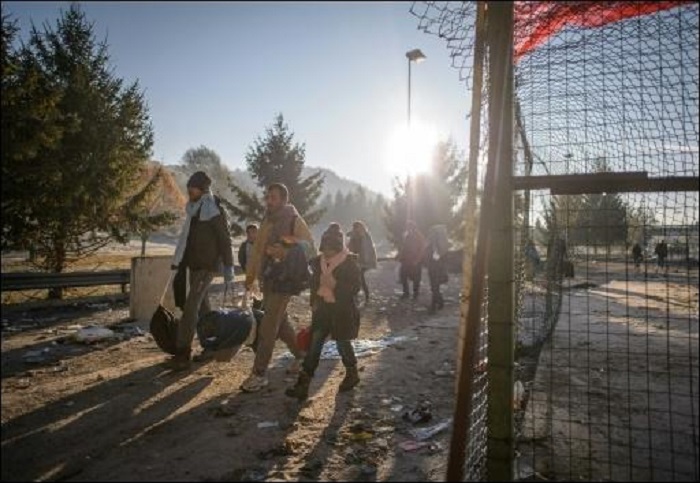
319,334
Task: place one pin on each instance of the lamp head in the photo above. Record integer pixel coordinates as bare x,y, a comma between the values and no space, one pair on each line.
415,55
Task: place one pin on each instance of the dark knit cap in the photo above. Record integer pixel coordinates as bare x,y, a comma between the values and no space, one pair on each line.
199,180
332,240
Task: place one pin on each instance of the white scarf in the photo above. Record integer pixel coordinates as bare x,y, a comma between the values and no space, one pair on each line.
209,210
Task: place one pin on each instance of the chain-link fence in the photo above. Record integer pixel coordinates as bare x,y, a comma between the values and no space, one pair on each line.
606,236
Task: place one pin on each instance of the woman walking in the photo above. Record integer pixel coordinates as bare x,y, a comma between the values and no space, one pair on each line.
361,243
334,284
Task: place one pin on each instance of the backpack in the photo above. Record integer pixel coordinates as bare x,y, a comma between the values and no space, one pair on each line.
290,276
164,329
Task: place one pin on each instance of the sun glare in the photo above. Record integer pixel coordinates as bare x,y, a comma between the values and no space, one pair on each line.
410,150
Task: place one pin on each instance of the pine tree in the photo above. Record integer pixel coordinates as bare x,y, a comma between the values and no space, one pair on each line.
602,218
276,158
77,138
436,197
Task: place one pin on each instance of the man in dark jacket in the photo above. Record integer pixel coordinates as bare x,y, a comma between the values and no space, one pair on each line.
661,252
246,250
410,256
204,244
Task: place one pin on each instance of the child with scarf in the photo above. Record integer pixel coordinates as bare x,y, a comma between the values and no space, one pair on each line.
334,284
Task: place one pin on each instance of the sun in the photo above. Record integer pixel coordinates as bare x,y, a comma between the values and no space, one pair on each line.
410,150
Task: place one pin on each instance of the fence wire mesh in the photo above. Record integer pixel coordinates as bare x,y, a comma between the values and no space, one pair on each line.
606,283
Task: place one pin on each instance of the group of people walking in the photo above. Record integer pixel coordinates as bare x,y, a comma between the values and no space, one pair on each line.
271,258
660,250
417,251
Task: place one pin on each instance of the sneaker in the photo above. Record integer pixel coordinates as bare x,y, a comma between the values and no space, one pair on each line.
179,362
204,356
254,383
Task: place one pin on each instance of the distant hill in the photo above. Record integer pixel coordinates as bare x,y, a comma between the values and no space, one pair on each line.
371,212
333,182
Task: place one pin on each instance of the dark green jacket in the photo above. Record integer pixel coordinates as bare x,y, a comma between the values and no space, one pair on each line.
209,243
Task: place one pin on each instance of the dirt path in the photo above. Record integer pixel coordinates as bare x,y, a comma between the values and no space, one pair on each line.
112,412
615,396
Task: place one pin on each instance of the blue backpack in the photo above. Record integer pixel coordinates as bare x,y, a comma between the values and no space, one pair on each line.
292,275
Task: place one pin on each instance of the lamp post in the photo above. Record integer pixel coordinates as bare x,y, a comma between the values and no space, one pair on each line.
416,56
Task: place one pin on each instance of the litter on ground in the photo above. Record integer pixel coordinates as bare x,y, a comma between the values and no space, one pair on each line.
421,434
363,347
92,334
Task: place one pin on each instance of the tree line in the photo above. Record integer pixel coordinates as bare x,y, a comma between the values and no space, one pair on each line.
600,220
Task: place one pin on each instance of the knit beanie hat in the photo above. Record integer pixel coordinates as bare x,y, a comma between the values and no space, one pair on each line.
199,180
332,240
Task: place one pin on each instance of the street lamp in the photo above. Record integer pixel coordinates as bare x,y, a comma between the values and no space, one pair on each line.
416,56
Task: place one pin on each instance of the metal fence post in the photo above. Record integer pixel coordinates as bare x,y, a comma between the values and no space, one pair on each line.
501,452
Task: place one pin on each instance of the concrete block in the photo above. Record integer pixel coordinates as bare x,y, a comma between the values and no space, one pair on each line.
149,278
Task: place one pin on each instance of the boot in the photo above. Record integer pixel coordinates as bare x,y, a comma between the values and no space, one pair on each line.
181,361
440,302
433,306
301,389
351,379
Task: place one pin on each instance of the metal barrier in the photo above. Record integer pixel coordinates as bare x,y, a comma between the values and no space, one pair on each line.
36,281
10,282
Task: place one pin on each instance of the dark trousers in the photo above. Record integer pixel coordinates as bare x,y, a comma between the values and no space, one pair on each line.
412,273
363,282
661,262
319,334
437,274
196,305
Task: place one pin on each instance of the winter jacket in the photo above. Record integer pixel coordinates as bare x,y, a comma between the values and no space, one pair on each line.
343,316
209,243
412,249
243,254
363,247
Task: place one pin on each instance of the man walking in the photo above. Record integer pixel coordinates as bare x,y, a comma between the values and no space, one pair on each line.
205,242
661,252
637,255
282,225
436,261
410,256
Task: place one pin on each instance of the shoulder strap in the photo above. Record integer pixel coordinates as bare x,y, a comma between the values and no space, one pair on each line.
293,225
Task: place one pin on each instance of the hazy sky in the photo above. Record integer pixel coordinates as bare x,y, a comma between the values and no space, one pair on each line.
216,73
